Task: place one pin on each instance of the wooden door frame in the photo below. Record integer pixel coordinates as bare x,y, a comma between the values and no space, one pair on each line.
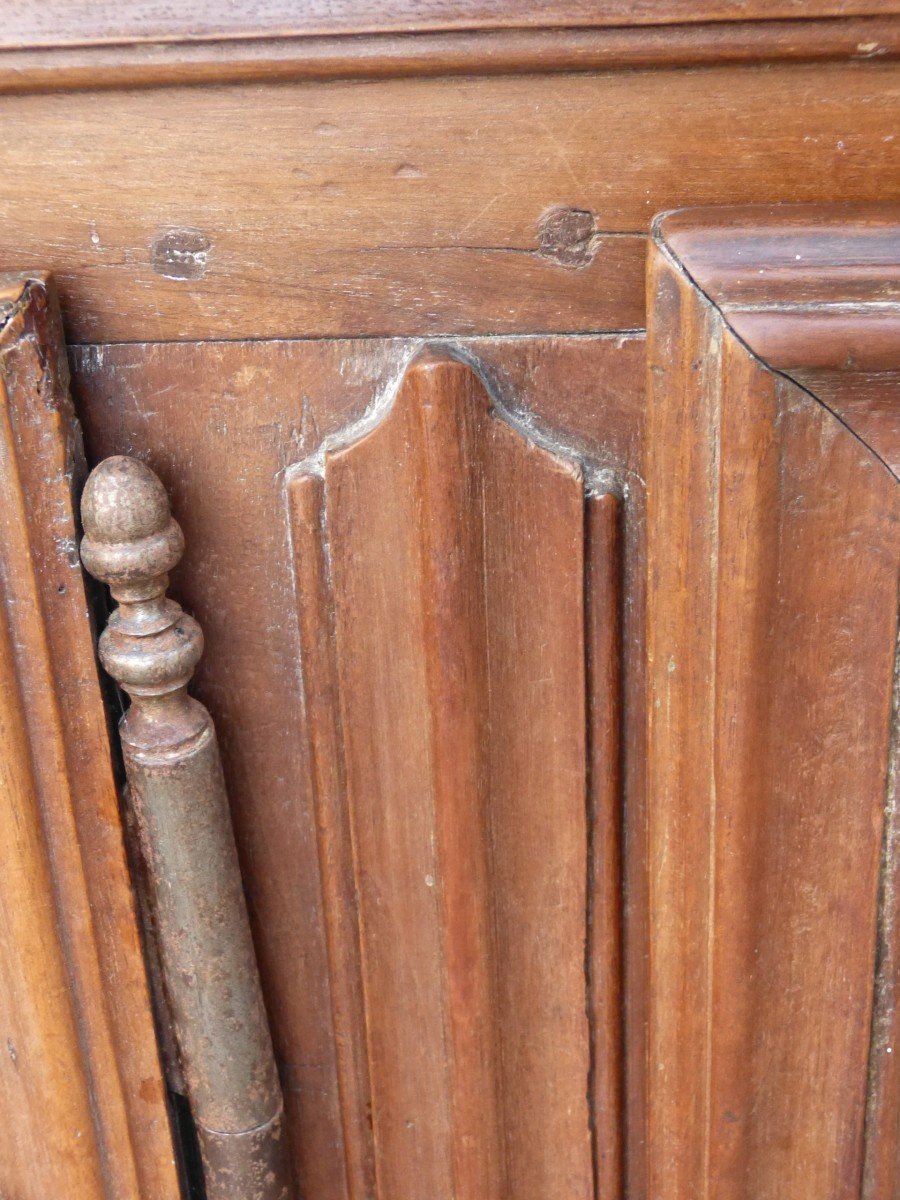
772,559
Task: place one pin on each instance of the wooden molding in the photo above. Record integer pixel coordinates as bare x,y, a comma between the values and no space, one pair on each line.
278,402
814,292
806,287
30,65
82,1104
62,22
773,550
458,602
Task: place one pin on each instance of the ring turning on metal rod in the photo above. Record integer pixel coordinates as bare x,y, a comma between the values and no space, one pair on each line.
150,647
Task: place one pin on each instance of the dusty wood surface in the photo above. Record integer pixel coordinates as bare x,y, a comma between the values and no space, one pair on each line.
263,407
808,288
777,957
66,22
82,1110
264,211
495,173
773,554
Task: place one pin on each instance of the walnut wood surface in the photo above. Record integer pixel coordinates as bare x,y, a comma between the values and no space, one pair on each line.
328,210
773,552
263,406
810,667
881,1168
815,293
178,806
605,955
460,667
82,1109
808,288
482,52
492,173
66,22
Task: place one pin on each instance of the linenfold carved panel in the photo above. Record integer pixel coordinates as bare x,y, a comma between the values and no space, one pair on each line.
462,778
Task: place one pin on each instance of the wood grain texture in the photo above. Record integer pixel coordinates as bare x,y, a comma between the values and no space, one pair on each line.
815,292
866,401
604,955
261,407
881,1167
83,1108
455,553
810,288
324,726
483,52
772,572
178,806
269,211
65,22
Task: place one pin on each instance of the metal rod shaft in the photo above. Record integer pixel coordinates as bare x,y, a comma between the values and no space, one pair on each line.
177,792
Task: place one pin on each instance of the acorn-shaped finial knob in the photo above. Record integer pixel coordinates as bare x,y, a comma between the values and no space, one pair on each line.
131,541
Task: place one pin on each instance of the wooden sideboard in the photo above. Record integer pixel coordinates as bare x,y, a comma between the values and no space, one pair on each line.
545,550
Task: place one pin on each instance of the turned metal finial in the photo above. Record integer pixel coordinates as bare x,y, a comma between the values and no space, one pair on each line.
131,542
177,793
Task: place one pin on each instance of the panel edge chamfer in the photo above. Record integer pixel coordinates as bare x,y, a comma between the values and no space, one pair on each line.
413,551
772,564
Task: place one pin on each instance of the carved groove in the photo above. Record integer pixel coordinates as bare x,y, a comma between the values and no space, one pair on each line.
604,950
323,720
441,583
881,1164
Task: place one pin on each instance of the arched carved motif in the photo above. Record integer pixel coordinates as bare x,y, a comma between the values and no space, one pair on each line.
450,576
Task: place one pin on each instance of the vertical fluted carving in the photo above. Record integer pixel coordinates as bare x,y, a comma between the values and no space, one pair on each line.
441,596
150,647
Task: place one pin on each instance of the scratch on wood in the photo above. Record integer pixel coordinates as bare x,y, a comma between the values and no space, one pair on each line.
881,1047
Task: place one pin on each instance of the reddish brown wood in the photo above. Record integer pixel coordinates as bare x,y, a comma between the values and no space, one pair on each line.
64,22
773,555
324,724
483,52
814,292
347,218
811,288
462,710
864,400
604,960
81,1094
257,407
176,793
881,1169
47,1137
491,169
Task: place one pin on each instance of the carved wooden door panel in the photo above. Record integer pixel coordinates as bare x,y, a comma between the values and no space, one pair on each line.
422,735
446,693
556,717
549,619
